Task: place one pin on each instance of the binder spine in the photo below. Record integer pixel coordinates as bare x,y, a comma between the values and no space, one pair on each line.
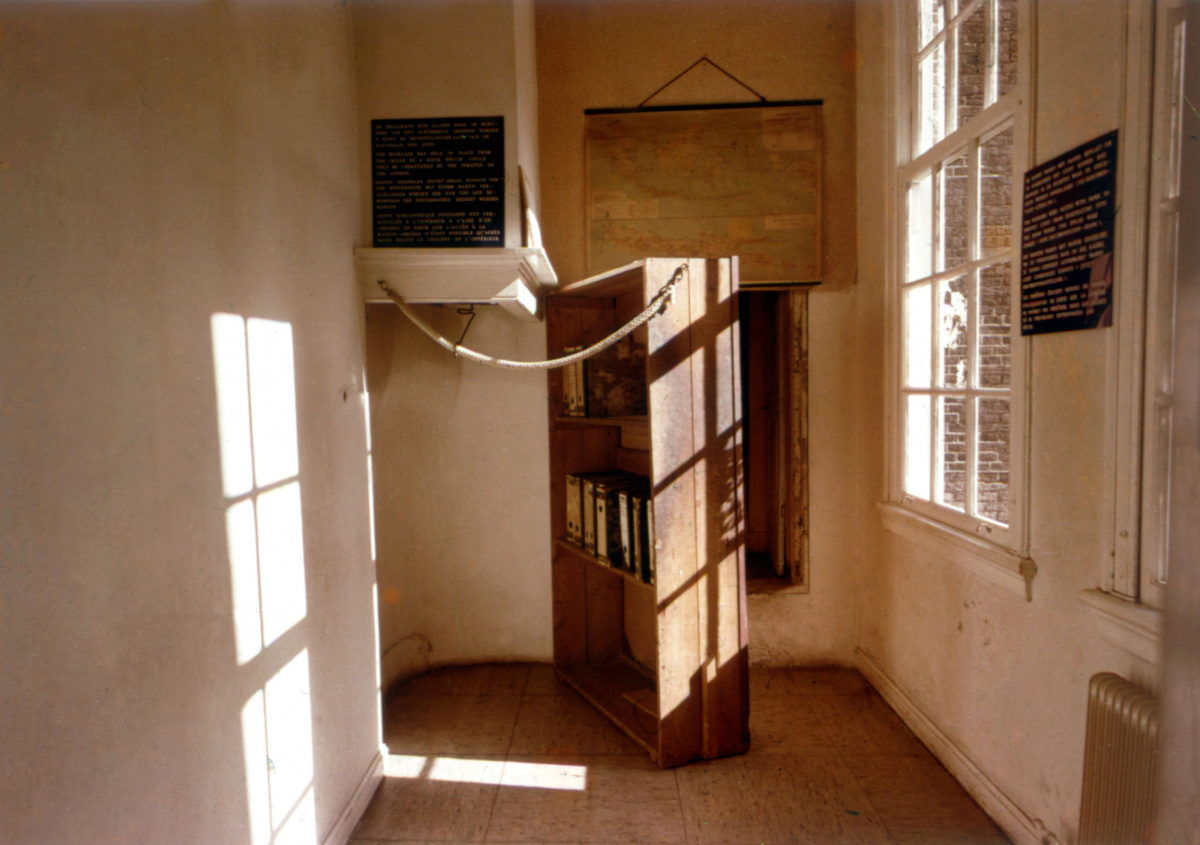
607,514
589,514
637,510
574,511
623,500
602,535
570,390
581,403
648,573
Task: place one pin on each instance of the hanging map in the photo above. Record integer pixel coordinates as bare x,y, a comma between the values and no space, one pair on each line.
708,182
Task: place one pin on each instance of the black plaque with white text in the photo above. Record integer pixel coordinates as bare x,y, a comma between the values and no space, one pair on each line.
438,182
1070,209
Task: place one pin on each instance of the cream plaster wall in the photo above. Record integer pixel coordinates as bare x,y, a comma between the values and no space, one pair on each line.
1005,680
160,162
467,58
460,451
614,54
462,517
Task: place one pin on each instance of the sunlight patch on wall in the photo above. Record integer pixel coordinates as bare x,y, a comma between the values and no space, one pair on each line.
378,665
260,468
278,749
233,403
242,539
272,401
254,749
366,400
281,560
289,741
300,828
260,464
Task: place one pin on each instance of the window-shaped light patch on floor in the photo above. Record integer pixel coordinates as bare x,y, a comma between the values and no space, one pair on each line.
488,772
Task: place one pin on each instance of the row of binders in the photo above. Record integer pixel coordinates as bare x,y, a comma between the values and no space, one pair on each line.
611,514
575,386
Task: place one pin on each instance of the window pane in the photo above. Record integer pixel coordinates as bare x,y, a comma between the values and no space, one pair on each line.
1166,283
920,228
973,64
931,115
916,446
995,326
1175,137
933,18
955,221
995,193
952,446
992,459
1006,46
952,336
1162,434
918,335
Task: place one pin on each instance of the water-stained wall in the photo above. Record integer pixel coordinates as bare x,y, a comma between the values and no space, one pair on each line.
1003,681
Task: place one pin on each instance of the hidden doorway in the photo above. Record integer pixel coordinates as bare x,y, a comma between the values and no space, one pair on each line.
774,364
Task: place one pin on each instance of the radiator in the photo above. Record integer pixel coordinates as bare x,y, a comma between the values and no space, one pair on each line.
1119,763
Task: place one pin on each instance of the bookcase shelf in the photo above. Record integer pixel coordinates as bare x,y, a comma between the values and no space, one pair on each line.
634,431
584,554
622,422
665,661
623,693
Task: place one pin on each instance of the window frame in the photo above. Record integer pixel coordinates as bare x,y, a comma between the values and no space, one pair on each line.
1008,109
1141,356
1148,575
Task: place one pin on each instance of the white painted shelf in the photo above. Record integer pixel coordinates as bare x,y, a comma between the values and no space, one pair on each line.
515,278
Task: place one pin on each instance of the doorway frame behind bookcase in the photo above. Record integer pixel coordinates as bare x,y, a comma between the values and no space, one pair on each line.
787,504
794,345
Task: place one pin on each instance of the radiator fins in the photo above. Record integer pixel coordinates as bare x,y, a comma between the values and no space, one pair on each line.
1119,763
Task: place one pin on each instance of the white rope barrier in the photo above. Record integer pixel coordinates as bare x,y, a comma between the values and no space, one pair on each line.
657,305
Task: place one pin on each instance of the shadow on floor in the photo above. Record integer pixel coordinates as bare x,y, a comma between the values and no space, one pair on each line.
506,753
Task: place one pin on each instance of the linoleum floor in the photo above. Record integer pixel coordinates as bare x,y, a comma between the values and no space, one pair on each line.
506,753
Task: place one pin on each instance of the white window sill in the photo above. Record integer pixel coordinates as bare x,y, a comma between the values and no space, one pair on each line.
1128,625
997,565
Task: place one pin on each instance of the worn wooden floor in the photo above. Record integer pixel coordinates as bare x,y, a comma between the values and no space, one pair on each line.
505,753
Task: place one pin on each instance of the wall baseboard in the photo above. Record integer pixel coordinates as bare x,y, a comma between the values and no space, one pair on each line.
343,828
1015,823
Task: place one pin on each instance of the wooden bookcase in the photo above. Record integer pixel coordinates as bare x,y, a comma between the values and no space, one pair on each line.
667,662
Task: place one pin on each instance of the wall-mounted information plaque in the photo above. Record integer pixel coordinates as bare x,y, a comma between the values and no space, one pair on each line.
1070,210
708,181
438,182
